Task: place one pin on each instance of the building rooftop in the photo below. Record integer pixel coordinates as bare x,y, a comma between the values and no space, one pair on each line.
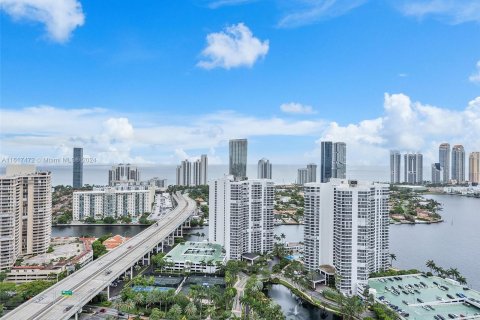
113,242
196,252
426,291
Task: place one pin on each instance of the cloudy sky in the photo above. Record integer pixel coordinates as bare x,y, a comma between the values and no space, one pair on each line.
159,81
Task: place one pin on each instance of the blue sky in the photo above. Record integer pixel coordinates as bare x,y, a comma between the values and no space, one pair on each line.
156,81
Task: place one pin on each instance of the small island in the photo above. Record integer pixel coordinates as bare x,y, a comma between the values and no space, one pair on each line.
407,206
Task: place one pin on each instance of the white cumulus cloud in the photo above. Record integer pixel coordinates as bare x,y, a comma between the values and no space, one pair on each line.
407,126
453,11
475,77
60,17
298,108
233,47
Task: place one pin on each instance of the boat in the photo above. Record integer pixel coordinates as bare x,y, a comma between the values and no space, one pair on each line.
419,300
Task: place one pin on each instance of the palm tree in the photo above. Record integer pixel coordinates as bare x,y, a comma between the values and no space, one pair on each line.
453,272
175,311
156,314
190,309
139,299
351,307
128,305
150,299
430,265
393,256
461,279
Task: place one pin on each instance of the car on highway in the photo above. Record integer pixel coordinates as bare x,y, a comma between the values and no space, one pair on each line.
102,310
108,272
68,308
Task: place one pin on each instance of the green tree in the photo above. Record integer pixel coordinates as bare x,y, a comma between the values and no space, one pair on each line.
89,220
109,220
98,249
190,310
156,314
393,256
175,311
351,307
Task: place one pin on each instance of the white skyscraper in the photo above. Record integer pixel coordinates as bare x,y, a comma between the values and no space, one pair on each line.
347,227
203,169
26,213
311,172
241,215
200,168
264,169
184,173
413,170
444,160
302,176
395,160
123,173
458,163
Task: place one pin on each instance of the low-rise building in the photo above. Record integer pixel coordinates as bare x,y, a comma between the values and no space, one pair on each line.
68,254
196,257
113,202
115,241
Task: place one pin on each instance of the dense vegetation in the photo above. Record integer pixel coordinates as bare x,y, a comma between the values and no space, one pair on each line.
406,202
98,247
441,272
12,295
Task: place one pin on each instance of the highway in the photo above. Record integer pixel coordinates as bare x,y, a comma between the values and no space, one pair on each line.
97,275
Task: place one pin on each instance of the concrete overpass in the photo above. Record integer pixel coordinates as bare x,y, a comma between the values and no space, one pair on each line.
97,276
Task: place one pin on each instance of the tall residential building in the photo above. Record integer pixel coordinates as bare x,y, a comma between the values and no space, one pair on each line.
333,162
264,170
77,168
413,170
123,173
339,166
184,173
26,213
200,168
326,161
241,215
458,163
444,159
112,202
238,158
437,174
302,176
474,167
311,172
395,161
347,227
203,169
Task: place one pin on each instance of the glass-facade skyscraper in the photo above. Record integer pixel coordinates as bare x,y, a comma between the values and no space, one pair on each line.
238,158
326,161
444,160
77,168
333,162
